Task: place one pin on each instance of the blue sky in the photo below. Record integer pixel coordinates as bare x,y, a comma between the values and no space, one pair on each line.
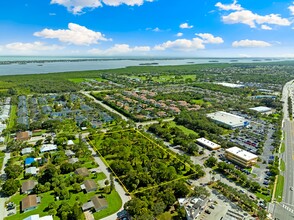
215,28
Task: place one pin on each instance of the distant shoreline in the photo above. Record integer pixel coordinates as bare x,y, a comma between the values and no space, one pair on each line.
43,65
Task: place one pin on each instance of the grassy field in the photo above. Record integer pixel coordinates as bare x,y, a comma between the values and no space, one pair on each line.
12,116
1,159
282,165
184,129
282,150
279,189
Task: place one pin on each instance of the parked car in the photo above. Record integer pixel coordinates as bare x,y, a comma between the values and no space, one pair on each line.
207,211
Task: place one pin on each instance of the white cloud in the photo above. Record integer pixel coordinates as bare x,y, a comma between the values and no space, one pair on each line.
250,43
182,44
210,39
120,49
251,19
227,7
30,47
180,34
190,45
75,34
186,26
77,6
156,29
265,27
291,8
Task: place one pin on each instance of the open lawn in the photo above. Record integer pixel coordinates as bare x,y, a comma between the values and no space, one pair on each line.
187,131
12,117
1,159
282,165
280,188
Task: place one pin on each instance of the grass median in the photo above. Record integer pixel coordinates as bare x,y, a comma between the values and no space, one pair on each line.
279,188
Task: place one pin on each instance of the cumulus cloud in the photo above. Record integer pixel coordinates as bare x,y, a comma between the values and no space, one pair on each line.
120,49
291,8
30,47
265,27
75,34
186,26
249,18
180,34
190,45
181,44
228,7
210,39
77,6
250,43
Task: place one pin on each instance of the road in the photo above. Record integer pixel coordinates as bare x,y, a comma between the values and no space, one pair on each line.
284,210
118,187
3,199
104,105
153,122
288,155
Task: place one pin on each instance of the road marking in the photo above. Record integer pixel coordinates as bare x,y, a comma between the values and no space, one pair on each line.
288,208
293,157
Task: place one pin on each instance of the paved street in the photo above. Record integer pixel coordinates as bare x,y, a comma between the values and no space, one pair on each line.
105,106
3,199
118,187
288,156
284,210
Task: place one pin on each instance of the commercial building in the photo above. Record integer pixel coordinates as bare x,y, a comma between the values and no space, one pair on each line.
262,109
241,157
231,85
208,144
228,120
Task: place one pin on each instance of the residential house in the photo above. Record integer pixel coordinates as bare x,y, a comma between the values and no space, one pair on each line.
73,160
37,217
23,136
82,171
96,203
31,170
89,186
48,147
27,150
70,143
29,203
28,186
69,153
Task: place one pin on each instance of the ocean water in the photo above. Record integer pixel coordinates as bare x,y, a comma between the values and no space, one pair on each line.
19,65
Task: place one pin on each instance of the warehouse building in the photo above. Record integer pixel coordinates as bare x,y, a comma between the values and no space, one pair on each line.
262,109
228,120
241,157
208,144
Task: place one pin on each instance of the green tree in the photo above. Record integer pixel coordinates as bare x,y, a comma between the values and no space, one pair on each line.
200,191
211,162
10,187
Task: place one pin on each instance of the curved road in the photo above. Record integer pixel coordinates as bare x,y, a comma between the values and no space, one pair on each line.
104,105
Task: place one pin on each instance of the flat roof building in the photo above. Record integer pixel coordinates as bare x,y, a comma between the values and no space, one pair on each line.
262,109
228,120
48,147
208,144
241,157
